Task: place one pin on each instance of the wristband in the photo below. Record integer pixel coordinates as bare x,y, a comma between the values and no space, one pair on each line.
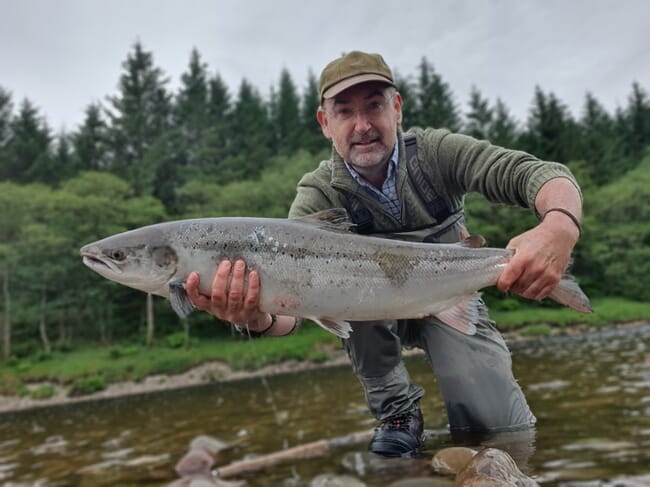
567,213
257,334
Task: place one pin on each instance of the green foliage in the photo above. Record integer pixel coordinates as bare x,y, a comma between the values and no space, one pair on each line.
42,392
146,155
541,329
121,352
87,385
176,340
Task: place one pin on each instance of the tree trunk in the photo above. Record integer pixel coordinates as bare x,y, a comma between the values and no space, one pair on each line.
6,329
42,326
150,320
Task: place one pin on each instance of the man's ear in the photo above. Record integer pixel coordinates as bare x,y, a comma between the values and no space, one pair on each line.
323,122
398,106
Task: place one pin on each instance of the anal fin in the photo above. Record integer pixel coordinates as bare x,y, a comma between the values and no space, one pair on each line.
341,329
463,315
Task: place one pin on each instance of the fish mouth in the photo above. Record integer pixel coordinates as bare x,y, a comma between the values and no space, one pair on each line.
96,263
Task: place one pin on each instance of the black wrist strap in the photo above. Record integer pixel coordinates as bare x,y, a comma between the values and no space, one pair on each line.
573,218
256,334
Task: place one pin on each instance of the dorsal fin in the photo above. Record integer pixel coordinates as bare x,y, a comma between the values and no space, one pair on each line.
336,219
473,242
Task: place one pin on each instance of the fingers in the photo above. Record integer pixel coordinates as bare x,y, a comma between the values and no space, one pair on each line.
252,297
236,291
199,300
233,296
219,286
533,272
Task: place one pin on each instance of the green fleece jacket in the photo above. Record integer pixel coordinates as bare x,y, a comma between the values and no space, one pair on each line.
456,165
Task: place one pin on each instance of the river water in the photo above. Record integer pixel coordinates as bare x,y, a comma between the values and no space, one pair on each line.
590,393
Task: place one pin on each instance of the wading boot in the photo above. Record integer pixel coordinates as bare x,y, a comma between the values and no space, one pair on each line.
399,436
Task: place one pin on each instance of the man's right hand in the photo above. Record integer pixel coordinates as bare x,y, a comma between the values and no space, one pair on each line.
230,299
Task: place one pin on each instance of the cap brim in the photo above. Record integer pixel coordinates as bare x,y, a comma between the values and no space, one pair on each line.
343,85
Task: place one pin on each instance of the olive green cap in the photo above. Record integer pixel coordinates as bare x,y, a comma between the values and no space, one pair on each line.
351,69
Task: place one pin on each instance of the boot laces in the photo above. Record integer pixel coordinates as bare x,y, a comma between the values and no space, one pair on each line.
401,422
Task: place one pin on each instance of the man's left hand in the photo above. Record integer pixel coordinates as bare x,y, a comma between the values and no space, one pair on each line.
541,257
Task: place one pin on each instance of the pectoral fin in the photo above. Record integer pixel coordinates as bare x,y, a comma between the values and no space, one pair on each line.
179,300
463,315
339,328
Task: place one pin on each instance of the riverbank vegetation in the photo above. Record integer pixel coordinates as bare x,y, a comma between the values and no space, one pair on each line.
88,368
148,154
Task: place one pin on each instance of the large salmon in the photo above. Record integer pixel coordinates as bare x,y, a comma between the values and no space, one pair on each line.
314,267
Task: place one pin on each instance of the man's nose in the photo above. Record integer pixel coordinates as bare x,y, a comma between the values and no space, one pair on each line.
361,121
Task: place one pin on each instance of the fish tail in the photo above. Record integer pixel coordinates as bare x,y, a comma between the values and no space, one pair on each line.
568,293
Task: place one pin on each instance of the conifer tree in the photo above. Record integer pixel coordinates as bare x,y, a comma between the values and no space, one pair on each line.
635,121
479,117
503,129
551,132
216,137
6,109
435,102
408,92
285,115
139,114
601,145
312,137
191,107
28,148
175,154
91,141
250,136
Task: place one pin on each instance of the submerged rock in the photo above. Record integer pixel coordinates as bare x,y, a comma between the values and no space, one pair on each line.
422,482
450,461
195,462
331,480
493,468
367,463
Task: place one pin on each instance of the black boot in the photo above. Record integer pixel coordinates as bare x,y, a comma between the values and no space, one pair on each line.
399,436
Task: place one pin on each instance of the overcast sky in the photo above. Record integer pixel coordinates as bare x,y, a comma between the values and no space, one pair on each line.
64,54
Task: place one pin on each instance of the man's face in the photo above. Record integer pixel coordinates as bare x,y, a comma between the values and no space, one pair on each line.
362,123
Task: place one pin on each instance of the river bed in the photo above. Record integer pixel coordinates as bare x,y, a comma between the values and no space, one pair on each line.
590,393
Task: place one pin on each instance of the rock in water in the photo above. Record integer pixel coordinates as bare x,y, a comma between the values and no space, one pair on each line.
493,468
450,461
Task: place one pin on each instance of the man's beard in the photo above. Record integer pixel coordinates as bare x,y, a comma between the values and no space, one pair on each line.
371,156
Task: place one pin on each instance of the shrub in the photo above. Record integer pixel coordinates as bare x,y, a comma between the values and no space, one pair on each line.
88,385
63,347
23,366
42,392
176,340
508,304
119,352
541,329
172,365
41,356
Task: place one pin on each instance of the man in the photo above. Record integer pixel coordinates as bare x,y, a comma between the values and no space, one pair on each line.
412,186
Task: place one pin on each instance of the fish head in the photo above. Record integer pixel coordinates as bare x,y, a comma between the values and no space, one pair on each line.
133,259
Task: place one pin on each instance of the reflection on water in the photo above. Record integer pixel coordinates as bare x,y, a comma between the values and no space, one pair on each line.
591,395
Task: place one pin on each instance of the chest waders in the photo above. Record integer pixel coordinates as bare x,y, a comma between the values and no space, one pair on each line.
474,372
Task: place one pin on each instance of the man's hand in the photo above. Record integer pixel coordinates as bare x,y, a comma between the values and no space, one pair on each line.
231,300
541,257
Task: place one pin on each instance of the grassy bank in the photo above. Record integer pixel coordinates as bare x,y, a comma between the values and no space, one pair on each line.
87,370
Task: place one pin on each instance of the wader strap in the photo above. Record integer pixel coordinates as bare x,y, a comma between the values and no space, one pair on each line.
359,214
437,207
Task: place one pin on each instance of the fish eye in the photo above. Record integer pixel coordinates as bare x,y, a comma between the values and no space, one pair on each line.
117,254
